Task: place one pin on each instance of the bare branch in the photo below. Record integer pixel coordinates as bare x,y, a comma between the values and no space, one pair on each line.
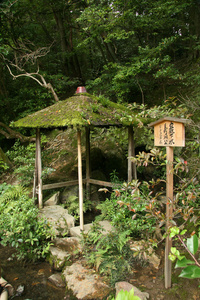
23,55
41,81
30,75
27,55
12,134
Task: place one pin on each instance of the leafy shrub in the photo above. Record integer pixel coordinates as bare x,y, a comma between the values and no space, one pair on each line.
126,209
20,226
24,160
191,268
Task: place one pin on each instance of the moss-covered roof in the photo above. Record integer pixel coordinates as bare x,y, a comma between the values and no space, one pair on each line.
77,111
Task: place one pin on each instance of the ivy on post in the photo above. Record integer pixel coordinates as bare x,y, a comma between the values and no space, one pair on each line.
169,132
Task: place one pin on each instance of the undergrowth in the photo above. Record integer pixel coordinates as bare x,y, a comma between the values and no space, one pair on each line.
20,226
109,253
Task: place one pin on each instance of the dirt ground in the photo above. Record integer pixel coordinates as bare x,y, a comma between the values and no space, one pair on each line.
34,277
152,281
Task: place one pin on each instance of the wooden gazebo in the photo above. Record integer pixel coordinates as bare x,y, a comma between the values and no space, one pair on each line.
79,111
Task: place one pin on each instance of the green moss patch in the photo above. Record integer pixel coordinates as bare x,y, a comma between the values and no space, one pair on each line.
77,111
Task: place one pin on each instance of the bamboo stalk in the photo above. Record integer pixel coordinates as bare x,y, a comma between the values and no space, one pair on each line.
80,180
88,167
39,168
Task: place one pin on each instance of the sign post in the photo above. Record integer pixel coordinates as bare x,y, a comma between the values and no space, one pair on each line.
169,132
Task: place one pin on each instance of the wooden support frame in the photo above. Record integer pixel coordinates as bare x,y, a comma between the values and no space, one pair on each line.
132,172
38,186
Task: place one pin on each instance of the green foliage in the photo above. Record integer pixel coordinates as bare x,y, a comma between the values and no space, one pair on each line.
72,205
3,166
109,254
125,295
191,268
126,209
24,160
20,226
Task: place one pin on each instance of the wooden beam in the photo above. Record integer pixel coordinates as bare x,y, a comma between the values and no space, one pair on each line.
102,183
39,168
169,205
60,184
75,182
80,180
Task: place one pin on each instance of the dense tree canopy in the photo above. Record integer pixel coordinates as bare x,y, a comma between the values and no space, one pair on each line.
131,51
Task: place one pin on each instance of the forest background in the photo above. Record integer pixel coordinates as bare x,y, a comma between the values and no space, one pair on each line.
130,51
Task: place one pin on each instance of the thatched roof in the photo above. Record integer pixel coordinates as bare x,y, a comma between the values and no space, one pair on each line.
77,111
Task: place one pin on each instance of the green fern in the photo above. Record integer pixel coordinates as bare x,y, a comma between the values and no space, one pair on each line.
12,192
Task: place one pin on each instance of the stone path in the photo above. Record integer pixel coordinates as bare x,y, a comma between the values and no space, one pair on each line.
85,283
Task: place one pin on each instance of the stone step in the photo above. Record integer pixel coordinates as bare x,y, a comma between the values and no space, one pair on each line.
76,231
59,218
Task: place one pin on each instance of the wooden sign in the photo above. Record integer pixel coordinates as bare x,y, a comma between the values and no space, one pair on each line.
169,132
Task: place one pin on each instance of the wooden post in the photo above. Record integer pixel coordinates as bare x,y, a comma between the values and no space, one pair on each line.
35,179
133,154
80,180
88,166
169,206
39,167
132,172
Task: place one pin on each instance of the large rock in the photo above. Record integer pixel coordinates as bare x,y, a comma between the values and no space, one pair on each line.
56,279
85,283
63,250
106,228
123,285
69,244
58,258
54,200
59,218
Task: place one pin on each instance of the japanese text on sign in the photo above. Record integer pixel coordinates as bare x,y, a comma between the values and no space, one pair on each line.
166,134
169,133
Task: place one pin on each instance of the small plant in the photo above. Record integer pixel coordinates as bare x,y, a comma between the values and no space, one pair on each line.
191,268
72,205
125,295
